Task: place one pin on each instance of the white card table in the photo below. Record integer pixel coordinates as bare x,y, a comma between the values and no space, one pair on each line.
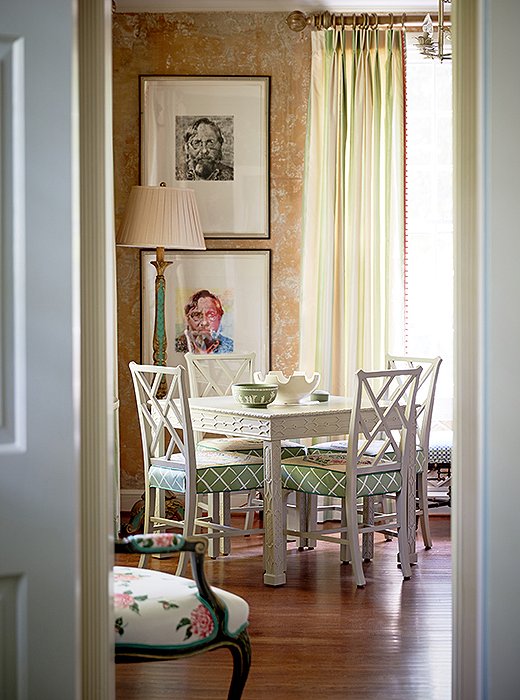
223,415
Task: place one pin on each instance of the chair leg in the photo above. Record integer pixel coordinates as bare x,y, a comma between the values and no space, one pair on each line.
302,509
367,538
349,518
344,548
402,539
225,519
149,508
312,518
386,507
214,514
188,529
241,651
422,492
250,514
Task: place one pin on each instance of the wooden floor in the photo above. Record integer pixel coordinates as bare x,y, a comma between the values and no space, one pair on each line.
319,636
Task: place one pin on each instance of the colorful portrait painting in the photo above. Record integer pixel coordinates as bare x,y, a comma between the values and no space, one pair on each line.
206,326
216,301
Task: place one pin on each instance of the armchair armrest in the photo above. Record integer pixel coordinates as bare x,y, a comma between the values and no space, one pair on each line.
163,542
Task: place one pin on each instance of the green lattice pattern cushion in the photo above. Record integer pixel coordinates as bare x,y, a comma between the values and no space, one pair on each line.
324,474
250,446
158,610
216,472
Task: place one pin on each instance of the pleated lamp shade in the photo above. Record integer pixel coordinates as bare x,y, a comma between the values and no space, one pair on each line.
158,216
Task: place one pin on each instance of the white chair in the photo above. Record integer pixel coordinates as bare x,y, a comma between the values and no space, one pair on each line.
425,401
214,375
172,463
158,616
355,474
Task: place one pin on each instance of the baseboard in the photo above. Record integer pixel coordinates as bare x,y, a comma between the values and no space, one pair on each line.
128,497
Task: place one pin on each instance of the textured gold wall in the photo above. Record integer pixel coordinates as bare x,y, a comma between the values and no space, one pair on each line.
212,44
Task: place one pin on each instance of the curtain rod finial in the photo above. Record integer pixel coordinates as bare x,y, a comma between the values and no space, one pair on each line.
297,21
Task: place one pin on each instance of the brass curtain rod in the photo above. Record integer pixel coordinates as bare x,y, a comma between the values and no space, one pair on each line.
298,21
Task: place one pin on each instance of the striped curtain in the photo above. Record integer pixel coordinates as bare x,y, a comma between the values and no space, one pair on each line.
352,301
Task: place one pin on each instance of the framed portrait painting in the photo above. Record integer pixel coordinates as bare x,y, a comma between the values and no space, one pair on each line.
210,134
216,302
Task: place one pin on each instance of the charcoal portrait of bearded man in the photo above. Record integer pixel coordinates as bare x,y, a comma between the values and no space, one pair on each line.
204,148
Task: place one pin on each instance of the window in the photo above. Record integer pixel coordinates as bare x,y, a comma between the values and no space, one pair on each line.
429,244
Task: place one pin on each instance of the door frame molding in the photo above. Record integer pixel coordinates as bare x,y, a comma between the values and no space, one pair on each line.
468,415
97,303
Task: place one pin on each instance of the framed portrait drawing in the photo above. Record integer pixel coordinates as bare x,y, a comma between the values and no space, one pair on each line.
210,134
217,301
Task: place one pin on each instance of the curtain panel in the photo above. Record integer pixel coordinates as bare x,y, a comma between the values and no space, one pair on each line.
352,300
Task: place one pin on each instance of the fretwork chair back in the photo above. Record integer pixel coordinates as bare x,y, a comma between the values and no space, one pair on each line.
173,463
376,420
159,616
425,404
214,375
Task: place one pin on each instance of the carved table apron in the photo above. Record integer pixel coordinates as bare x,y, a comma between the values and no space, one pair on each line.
222,415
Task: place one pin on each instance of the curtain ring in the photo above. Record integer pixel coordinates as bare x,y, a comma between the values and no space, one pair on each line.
391,20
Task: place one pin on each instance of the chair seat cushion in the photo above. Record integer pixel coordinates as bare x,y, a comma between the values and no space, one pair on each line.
342,446
371,451
251,446
216,472
325,474
441,442
333,446
155,609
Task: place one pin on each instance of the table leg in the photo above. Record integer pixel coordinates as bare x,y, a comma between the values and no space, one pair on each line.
274,516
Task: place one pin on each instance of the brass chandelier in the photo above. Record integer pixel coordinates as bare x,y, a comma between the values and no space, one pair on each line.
438,46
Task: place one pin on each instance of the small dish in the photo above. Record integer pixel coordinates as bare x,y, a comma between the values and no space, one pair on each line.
320,395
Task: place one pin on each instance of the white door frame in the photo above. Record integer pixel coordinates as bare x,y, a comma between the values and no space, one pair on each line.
467,449
487,322
56,349
97,253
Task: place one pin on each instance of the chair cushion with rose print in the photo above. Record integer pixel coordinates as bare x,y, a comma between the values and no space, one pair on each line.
153,609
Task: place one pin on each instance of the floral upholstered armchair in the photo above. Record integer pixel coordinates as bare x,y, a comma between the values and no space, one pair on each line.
161,616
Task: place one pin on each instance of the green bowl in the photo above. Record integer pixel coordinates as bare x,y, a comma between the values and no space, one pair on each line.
257,395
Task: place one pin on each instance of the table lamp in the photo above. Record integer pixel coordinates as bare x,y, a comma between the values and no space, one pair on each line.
161,217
